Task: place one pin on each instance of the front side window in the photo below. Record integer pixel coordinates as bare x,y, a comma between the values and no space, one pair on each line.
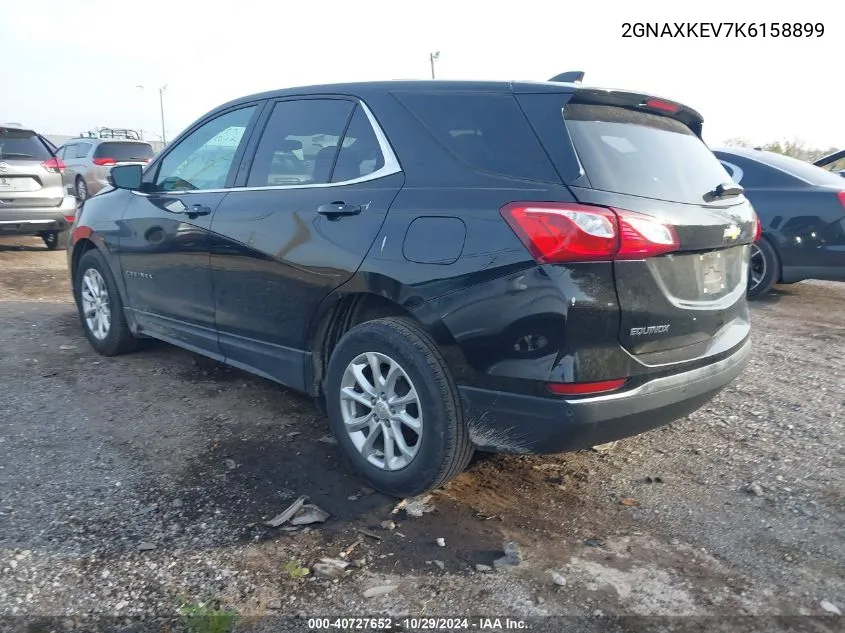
300,142
204,159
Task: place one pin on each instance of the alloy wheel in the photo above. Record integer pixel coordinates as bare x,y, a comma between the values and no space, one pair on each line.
757,267
94,297
381,411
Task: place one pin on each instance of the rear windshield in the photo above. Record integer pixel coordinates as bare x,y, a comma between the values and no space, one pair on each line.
121,152
642,154
484,130
22,144
805,171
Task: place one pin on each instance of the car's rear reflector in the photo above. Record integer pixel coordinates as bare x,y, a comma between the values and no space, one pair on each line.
585,388
54,165
758,227
70,218
104,162
557,232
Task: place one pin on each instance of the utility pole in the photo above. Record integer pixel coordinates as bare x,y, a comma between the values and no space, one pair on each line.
431,58
161,107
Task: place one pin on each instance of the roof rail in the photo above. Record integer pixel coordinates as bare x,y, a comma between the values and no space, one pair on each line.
108,132
570,77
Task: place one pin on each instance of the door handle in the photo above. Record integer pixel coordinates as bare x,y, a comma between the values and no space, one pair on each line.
337,209
197,210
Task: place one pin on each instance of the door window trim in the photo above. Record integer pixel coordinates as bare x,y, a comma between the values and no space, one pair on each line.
391,162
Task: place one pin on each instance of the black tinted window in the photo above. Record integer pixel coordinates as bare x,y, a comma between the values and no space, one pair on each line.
299,143
751,174
22,144
124,152
642,154
360,153
800,169
486,131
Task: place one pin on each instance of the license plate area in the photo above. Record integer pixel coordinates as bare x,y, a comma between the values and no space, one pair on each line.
711,273
18,183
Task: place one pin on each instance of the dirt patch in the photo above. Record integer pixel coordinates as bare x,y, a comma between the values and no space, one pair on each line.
130,483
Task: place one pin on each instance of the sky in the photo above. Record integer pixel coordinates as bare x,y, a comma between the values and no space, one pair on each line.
76,65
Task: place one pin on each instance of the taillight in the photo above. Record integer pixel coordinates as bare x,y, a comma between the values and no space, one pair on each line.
104,162
758,227
54,165
585,388
841,195
563,232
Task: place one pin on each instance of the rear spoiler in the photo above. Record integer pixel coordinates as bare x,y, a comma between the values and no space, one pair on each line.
830,158
658,105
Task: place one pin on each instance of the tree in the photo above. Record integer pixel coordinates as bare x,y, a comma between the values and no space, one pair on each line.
796,148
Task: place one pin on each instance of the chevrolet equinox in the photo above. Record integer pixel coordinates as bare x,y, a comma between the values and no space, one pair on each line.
445,267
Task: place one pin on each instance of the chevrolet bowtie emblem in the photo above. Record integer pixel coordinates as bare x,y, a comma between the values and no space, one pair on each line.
732,232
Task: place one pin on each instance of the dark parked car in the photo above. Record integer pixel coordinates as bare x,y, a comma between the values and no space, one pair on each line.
529,267
33,199
802,212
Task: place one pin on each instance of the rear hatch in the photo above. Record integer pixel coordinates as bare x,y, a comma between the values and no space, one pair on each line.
30,174
684,292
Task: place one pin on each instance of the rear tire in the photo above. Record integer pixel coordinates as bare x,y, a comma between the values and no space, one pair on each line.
763,269
81,190
55,240
94,288
404,433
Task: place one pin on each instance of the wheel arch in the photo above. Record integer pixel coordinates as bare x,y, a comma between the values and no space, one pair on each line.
353,304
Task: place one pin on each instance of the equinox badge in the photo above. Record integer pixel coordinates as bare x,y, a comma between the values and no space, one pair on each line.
651,329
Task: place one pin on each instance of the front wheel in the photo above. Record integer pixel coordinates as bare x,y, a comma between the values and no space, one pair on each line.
100,306
763,269
395,409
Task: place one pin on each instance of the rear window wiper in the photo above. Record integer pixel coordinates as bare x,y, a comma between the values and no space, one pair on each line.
19,155
724,190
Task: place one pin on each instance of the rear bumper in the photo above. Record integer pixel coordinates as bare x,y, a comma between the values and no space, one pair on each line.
507,422
33,220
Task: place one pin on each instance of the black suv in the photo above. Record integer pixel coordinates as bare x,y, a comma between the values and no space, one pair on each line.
521,267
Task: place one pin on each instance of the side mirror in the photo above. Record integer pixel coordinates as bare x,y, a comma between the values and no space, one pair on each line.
126,177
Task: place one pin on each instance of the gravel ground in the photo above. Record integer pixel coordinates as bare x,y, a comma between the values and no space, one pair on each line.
132,485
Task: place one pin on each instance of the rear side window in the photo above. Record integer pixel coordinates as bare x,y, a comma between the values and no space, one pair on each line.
22,145
805,171
486,131
81,150
124,152
300,142
642,154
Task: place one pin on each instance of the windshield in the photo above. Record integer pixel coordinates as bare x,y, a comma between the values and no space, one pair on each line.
22,144
642,154
124,152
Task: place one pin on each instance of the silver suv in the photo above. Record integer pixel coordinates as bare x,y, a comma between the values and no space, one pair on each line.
33,198
89,159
